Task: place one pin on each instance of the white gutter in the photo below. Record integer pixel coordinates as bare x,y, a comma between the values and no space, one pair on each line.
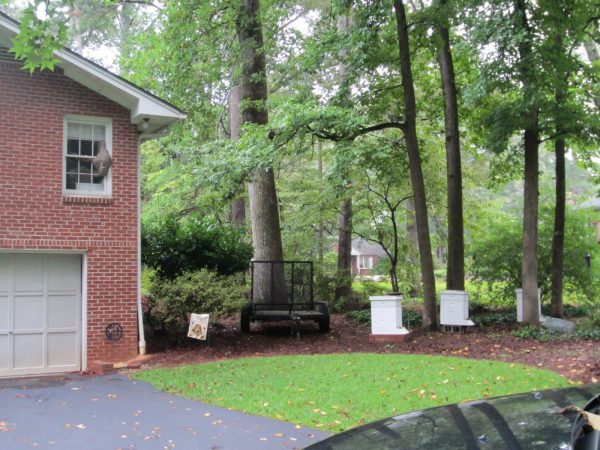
142,341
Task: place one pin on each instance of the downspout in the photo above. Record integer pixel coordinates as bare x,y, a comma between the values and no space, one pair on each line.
142,341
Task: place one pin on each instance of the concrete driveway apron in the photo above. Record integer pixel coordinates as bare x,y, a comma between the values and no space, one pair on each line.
115,412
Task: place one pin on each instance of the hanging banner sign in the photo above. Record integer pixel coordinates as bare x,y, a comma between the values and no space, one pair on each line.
198,326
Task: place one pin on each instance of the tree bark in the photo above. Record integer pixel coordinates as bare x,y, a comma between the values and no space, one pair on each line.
416,172
237,206
343,288
266,233
321,236
530,200
455,276
413,244
558,238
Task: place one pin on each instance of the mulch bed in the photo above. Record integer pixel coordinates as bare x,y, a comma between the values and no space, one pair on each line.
579,361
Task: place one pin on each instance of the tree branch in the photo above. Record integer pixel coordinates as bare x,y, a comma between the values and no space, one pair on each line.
336,137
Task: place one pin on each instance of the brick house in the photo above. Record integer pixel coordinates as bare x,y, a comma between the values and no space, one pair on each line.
69,230
365,255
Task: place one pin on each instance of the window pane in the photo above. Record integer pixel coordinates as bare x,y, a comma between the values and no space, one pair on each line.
86,132
73,131
86,148
99,132
98,180
72,147
85,178
72,165
96,147
71,181
85,166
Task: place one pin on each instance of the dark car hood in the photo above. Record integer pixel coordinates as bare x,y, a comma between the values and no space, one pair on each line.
523,421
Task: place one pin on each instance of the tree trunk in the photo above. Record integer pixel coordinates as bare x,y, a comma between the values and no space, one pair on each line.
413,249
455,276
266,233
558,238
416,173
237,206
343,288
77,33
530,230
321,237
530,200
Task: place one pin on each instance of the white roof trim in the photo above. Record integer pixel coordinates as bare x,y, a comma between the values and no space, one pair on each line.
144,106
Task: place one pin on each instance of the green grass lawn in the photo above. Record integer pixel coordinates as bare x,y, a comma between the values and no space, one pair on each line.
337,392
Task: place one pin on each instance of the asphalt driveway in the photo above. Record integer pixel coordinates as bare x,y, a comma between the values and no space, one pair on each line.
114,412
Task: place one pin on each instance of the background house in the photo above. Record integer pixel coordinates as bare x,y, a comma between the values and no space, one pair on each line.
365,255
69,234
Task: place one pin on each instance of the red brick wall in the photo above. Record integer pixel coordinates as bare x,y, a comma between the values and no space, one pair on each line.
34,214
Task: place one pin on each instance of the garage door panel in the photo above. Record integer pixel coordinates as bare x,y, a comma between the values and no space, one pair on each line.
40,313
64,273
3,351
4,273
62,311
28,351
28,312
4,312
62,349
28,273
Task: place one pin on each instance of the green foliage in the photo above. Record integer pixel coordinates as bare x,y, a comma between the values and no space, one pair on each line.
495,318
530,332
587,329
495,251
410,318
362,316
202,291
38,39
173,245
337,392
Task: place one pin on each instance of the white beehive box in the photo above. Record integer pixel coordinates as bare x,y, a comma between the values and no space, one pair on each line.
454,309
386,315
519,293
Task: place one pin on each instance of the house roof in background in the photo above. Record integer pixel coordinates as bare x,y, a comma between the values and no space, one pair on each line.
145,107
362,247
590,204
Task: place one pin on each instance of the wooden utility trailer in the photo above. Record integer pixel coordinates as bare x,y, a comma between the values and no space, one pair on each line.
283,290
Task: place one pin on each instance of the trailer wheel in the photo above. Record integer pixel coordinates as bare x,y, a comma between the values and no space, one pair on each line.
245,320
325,321
324,324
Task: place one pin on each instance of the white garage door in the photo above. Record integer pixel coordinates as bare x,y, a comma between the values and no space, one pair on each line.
40,313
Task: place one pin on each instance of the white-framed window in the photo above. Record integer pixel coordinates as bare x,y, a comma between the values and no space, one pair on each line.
365,262
83,139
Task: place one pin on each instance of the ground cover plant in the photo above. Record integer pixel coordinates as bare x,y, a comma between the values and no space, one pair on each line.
337,392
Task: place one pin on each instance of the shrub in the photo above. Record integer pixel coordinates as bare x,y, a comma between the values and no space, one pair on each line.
362,316
202,291
530,332
496,256
495,318
175,245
